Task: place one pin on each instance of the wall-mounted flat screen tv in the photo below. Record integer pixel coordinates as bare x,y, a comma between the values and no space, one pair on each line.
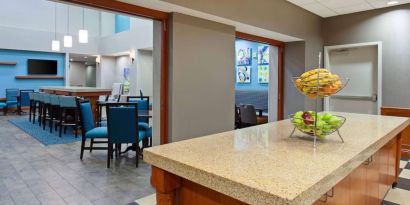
41,67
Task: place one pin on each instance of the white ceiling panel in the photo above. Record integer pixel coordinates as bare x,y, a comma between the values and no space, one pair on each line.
328,8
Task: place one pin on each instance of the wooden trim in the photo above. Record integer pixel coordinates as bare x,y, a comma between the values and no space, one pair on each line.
259,39
281,47
8,63
134,10
280,83
121,7
405,135
40,77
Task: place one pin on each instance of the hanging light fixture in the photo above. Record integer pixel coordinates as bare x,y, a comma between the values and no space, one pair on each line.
83,33
68,40
55,44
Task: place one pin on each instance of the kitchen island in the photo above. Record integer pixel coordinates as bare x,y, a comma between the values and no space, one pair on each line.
263,165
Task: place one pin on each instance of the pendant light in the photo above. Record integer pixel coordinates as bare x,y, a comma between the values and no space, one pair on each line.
83,33
55,44
68,40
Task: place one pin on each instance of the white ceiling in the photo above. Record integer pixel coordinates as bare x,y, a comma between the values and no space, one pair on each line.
328,8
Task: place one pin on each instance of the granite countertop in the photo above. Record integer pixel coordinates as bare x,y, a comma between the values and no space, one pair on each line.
262,165
76,89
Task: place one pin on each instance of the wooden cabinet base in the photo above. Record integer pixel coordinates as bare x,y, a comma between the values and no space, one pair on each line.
173,190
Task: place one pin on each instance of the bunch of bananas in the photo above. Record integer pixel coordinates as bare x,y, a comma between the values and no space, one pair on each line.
310,82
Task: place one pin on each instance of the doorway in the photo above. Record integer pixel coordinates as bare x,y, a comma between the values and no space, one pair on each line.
361,64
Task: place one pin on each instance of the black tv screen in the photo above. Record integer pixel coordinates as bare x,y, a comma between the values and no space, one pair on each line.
42,67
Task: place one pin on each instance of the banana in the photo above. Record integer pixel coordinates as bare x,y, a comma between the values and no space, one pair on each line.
312,72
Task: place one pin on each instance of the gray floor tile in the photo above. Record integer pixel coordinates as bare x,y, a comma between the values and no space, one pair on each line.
55,174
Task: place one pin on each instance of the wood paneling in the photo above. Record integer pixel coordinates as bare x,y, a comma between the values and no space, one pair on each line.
7,63
259,39
372,180
134,10
401,112
358,185
40,77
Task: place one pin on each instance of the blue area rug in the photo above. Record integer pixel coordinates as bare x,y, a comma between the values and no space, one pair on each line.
44,136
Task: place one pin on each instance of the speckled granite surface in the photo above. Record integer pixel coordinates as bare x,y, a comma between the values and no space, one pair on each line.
262,165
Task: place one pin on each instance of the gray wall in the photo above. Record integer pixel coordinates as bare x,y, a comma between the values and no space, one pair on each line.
201,79
77,74
91,74
275,15
391,26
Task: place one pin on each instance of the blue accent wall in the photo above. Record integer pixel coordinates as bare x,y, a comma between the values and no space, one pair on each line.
254,85
8,72
122,23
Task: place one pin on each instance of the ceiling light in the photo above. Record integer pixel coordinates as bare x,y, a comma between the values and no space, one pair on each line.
85,57
98,59
83,36
55,45
71,59
68,41
392,2
83,33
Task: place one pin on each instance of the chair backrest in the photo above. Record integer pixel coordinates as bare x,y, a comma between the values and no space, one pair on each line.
40,97
86,115
248,114
143,104
25,97
55,100
118,130
67,101
11,94
46,98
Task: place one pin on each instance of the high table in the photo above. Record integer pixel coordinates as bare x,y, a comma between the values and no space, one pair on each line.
89,93
262,165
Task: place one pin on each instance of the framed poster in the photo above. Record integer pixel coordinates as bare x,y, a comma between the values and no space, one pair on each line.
263,73
243,74
126,80
244,56
263,54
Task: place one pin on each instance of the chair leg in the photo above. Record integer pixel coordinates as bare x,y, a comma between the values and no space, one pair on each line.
5,110
29,112
61,124
137,155
82,149
91,144
51,119
109,154
44,117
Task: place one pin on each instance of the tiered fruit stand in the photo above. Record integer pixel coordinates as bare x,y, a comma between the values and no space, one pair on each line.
325,85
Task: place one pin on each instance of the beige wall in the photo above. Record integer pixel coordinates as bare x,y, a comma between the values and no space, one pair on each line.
201,85
391,26
275,15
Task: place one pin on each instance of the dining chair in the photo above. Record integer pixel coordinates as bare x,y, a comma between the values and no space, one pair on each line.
120,132
248,115
3,106
46,109
55,112
88,130
143,122
40,100
11,97
68,114
31,105
24,99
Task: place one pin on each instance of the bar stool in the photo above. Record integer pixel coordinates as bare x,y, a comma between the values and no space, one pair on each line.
31,97
46,109
54,112
40,107
68,104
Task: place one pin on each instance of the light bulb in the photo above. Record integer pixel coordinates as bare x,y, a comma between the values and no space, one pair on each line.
55,45
83,36
68,41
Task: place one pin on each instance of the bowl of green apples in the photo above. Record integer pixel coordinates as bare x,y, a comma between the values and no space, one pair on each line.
326,123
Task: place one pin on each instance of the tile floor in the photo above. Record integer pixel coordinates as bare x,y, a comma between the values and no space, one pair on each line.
31,173
400,194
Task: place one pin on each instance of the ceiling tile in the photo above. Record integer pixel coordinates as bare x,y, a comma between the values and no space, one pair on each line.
302,2
319,10
353,8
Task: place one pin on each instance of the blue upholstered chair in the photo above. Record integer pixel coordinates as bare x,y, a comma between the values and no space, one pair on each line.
68,108
24,100
88,130
143,122
120,132
45,116
3,106
11,97
55,112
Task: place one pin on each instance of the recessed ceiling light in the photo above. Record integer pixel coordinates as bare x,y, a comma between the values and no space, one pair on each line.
392,2
71,59
85,57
